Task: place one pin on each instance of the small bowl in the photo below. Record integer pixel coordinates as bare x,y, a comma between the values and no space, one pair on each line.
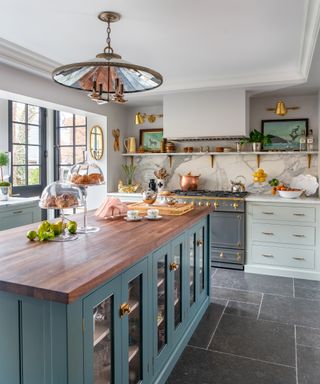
290,194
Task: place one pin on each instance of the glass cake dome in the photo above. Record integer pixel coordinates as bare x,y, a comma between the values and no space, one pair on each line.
86,174
59,195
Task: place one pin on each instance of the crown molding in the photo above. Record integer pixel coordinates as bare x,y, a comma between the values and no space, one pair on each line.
25,59
309,36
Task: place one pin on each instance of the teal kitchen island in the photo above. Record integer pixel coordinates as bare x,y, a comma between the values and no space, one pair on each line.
117,306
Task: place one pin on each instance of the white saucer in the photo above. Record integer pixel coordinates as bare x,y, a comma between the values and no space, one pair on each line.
137,219
153,218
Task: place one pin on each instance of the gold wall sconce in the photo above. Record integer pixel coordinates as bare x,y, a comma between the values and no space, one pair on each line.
281,109
140,118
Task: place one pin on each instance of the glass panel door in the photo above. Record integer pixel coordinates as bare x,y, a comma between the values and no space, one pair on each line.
162,284
176,268
192,267
103,342
135,331
201,250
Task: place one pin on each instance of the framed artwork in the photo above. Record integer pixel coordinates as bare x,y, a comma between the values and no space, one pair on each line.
150,139
285,134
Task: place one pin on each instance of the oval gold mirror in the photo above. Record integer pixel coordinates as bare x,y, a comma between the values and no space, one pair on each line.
96,142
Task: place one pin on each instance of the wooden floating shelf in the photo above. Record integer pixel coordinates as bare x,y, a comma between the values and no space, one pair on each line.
213,154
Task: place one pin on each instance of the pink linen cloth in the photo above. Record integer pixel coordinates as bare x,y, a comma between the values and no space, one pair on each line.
111,207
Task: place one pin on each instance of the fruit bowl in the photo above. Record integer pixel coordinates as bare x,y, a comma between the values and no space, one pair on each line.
291,194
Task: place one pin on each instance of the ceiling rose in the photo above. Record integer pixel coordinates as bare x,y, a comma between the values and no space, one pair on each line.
107,78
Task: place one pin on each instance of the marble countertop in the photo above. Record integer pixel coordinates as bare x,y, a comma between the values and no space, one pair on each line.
18,200
268,198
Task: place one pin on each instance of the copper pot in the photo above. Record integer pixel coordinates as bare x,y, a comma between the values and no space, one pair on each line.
189,182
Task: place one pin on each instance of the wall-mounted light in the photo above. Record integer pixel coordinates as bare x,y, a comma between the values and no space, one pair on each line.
281,109
140,118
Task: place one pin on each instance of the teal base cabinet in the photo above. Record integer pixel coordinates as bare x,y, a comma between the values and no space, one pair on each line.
132,329
18,214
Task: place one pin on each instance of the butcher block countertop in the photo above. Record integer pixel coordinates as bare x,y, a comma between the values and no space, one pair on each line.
63,272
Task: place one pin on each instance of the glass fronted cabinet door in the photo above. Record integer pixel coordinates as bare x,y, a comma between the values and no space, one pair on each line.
160,285
102,333
177,273
202,259
133,314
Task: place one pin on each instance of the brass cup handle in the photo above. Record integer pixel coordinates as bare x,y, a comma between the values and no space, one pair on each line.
173,266
238,254
124,309
221,255
199,243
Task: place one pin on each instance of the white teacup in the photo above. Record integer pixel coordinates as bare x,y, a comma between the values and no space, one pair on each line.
153,213
133,214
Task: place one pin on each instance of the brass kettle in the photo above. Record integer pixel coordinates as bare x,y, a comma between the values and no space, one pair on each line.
189,182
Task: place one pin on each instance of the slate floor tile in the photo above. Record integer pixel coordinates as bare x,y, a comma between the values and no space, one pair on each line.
242,309
222,302
307,293
197,366
308,365
309,337
309,284
207,325
291,311
237,295
253,282
257,339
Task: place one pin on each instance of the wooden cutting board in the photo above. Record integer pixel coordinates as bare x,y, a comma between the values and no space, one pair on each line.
169,210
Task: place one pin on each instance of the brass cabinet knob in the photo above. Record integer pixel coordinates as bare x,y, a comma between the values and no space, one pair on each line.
238,258
199,243
208,204
216,204
173,266
235,205
124,309
221,255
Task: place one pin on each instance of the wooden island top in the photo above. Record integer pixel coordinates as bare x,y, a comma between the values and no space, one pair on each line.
63,272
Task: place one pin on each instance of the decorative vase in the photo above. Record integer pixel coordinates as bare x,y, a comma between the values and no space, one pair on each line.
4,193
161,183
256,147
131,188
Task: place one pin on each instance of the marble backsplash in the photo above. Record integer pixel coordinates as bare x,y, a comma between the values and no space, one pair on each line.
226,168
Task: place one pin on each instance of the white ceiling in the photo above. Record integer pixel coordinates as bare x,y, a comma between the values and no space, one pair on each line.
193,44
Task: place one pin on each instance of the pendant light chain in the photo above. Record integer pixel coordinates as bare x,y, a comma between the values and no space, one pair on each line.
108,48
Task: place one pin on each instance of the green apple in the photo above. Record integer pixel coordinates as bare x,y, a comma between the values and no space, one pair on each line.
31,235
72,227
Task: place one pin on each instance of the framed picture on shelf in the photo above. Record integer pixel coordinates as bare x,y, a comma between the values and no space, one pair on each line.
285,134
150,139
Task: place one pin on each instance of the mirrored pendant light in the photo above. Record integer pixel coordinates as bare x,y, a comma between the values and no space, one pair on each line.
107,78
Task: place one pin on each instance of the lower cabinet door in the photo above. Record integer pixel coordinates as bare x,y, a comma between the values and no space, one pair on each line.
134,324
102,335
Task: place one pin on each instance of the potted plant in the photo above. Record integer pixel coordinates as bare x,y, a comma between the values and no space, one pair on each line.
257,139
4,185
130,186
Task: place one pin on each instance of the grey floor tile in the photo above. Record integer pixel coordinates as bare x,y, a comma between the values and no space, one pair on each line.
257,339
291,311
307,293
308,365
309,284
235,294
207,325
253,282
222,302
198,366
309,337
242,309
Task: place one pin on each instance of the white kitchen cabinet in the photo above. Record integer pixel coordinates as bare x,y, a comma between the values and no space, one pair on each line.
19,211
283,238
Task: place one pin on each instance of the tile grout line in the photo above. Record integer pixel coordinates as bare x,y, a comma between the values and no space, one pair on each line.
307,346
293,288
211,338
236,301
296,352
260,306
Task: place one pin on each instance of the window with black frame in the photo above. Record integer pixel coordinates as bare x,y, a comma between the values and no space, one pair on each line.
70,141
27,144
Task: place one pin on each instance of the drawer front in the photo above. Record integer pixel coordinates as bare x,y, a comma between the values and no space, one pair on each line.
274,212
227,255
18,217
283,256
289,234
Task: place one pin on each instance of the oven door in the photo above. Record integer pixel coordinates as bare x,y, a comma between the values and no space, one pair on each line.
227,230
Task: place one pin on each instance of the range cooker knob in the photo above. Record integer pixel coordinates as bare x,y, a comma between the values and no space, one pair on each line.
201,203
216,204
235,205
192,202
208,204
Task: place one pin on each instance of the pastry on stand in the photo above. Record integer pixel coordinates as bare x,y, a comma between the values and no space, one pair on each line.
84,175
59,195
